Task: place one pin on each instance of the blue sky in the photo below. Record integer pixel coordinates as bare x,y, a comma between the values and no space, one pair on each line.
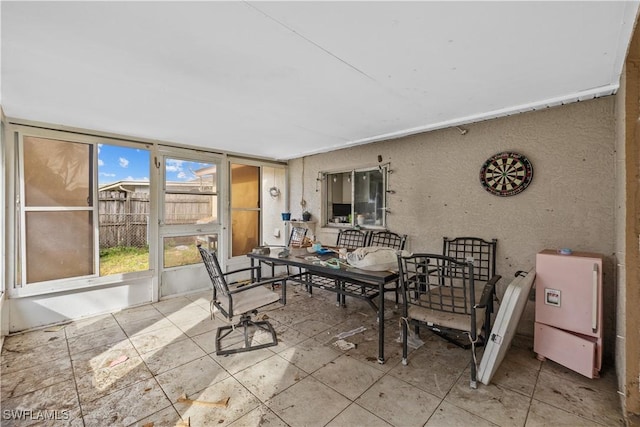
116,163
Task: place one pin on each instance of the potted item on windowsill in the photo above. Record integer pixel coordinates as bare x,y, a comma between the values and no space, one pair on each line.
286,216
306,216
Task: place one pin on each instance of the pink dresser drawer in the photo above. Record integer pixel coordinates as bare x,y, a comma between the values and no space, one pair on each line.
576,352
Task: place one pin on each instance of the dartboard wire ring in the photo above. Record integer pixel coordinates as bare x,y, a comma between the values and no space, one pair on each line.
506,174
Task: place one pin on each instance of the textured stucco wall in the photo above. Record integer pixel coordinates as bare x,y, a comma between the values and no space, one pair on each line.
570,203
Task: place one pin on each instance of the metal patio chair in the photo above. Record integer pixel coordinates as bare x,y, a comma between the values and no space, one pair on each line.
388,239
296,240
352,239
483,255
441,294
239,299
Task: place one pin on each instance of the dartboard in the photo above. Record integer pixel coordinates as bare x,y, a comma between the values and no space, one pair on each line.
506,174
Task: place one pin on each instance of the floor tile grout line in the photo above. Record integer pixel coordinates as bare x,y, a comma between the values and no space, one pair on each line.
533,392
73,375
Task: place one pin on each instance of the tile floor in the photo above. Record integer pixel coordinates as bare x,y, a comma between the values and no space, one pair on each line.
166,351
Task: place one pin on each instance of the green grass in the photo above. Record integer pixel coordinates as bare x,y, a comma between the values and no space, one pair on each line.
123,259
174,257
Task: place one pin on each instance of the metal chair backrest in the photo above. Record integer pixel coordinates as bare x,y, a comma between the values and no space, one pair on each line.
439,283
483,253
352,239
215,272
296,239
387,239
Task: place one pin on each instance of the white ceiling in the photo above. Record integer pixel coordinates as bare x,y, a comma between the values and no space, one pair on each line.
286,79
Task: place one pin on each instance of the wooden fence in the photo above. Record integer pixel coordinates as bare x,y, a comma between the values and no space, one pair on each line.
124,216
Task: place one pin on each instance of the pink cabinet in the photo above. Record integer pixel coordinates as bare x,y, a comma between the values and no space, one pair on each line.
568,328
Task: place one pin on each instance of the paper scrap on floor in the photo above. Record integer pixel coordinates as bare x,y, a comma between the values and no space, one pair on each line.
344,345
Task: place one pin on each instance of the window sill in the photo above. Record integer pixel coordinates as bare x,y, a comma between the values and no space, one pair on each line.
77,284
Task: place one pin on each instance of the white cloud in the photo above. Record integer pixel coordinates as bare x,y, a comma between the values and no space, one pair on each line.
100,162
173,165
107,174
181,175
123,162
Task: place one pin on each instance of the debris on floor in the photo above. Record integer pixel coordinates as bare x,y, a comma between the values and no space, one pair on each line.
344,345
346,334
119,360
222,403
183,423
55,328
413,342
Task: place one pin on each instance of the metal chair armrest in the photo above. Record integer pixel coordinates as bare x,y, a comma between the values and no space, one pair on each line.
240,270
243,287
488,291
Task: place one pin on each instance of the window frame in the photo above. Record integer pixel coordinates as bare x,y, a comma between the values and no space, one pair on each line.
18,286
326,215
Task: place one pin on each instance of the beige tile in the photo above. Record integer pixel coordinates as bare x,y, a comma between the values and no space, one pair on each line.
298,404
450,415
126,406
235,363
135,313
367,347
17,383
202,298
172,305
35,373
143,326
310,326
259,417
193,327
494,403
35,339
287,337
56,400
241,402
399,403
101,356
82,343
39,356
269,377
348,376
167,417
194,320
541,415
206,341
310,355
288,314
191,377
90,325
356,415
158,338
518,371
594,399
435,366
92,385
172,355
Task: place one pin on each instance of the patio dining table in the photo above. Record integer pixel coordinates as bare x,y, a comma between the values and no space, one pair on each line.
322,271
